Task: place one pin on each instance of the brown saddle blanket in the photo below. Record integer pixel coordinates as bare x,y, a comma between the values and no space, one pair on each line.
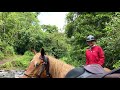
92,71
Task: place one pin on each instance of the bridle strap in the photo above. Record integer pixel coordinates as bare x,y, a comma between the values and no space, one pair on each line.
42,70
27,75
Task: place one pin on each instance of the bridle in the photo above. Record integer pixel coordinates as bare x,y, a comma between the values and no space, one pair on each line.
42,68
27,75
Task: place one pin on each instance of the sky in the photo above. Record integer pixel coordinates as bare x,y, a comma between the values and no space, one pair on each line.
53,18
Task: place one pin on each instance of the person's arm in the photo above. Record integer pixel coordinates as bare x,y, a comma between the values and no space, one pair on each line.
101,57
87,62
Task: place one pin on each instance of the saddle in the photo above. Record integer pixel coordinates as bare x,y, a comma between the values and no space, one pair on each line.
92,71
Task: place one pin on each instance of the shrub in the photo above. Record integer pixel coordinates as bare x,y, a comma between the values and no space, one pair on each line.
1,55
29,53
9,50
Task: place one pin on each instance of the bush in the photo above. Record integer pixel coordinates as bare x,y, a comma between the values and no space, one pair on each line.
1,55
75,63
29,53
9,50
18,63
24,61
117,64
7,65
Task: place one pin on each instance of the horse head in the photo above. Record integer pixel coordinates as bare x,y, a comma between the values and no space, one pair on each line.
36,69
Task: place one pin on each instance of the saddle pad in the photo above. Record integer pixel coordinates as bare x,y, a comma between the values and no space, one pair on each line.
85,74
75,72
95,69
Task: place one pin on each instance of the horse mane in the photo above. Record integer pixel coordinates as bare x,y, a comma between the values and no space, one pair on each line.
58,68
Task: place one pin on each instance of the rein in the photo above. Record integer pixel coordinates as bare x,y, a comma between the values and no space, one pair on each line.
27,75
42,68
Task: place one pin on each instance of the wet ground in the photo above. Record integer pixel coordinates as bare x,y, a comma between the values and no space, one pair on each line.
11,73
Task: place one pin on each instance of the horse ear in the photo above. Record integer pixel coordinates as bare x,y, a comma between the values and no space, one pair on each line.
34,51
42,52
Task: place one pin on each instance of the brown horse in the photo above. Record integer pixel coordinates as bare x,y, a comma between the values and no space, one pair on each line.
34,68
57,68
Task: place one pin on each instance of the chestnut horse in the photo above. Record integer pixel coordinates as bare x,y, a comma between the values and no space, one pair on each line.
34,68
57,68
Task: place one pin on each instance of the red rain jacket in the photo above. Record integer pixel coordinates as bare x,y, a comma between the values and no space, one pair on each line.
95,55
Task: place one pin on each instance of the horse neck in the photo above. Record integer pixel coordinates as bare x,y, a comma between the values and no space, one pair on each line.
58,68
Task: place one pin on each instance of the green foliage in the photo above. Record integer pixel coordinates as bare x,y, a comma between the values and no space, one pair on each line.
29,53
3,45
49,28
111,41
5,49
17,28
75,63
55,44
19,63
9,50
23,61
21,32
117,64
1,55
103,25
7,65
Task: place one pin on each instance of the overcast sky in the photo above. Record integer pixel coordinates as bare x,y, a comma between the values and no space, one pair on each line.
53,18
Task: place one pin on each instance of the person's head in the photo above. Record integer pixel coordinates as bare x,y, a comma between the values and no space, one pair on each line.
42,52
90,40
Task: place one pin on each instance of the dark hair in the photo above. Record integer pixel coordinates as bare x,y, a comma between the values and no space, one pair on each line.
42,52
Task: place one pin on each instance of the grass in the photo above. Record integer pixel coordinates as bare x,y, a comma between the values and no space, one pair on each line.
18,62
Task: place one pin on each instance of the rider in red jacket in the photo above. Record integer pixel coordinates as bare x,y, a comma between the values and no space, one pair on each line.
94,54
